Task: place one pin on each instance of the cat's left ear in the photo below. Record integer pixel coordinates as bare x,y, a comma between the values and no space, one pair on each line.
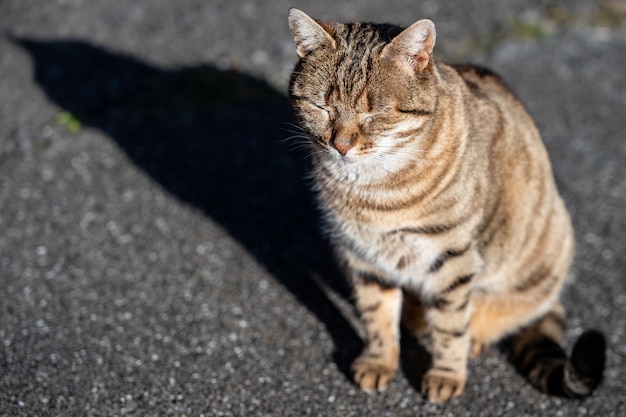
309,33
413,47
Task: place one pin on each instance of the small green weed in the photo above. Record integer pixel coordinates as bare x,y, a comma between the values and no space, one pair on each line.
528,30
69,121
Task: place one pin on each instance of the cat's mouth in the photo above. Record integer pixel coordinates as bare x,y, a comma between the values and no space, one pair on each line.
349,158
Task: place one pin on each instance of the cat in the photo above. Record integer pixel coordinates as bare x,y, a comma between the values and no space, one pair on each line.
441,205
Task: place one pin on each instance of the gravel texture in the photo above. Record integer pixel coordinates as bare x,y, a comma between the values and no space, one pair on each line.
159,247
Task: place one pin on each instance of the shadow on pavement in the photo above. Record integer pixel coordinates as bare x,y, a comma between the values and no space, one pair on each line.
213,139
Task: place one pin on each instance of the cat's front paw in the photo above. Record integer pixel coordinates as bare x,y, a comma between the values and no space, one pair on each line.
440,386
373,374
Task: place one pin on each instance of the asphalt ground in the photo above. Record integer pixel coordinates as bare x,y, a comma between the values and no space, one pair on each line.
160,252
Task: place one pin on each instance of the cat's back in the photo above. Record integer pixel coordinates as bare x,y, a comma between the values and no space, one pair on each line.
501,127
491,98
534,223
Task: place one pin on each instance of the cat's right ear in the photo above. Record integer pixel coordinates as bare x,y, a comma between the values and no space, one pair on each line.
308,33
413,47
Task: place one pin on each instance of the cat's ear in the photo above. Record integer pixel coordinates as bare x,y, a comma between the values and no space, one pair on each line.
308,33
413,47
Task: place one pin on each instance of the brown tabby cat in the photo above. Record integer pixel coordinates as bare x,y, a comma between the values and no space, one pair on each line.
441,204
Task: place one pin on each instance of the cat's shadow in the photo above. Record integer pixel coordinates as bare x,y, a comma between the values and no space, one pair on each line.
415,359
213,139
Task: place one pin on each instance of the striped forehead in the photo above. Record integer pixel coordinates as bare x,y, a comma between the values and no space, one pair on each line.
358,45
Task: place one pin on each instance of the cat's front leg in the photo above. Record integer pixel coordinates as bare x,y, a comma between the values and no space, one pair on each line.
379,306
449,317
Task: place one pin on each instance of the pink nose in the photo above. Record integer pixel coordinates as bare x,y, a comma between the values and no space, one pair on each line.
343,145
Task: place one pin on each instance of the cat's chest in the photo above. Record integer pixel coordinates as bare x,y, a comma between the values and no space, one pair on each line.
403,257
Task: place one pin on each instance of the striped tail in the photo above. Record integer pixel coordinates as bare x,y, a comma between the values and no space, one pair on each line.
540,357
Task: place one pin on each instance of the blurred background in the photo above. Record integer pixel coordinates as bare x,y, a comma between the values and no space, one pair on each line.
160,251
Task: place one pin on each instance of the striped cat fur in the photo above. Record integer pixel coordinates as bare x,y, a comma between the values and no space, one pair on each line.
441,204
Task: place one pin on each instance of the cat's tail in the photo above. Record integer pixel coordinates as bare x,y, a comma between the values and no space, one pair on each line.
541,358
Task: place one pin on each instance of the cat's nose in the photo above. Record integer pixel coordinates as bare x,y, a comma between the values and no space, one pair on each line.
343,144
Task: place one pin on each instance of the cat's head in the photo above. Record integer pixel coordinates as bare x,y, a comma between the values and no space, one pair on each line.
363,92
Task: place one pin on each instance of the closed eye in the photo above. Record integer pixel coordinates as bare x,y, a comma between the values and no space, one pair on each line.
415,112
307,101
321,107
314,108
318,106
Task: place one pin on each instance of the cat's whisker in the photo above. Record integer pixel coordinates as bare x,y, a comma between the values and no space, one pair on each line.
296,135
398,154
293,126
313,153
295,139
391,147
409,154
295,132
299,146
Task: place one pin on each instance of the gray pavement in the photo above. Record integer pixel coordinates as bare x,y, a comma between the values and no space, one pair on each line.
159,246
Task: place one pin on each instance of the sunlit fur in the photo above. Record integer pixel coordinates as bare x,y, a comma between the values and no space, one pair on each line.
436,188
